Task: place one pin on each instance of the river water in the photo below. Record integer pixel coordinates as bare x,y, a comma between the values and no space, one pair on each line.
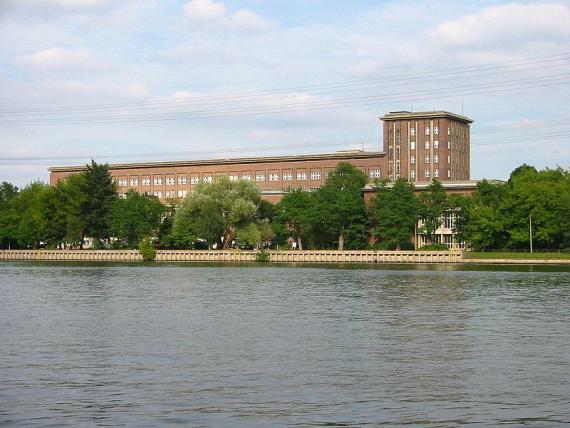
148,345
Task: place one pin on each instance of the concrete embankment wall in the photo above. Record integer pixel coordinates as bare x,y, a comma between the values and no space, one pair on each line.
232,256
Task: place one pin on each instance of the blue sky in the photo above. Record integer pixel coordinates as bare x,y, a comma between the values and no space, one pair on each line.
106,78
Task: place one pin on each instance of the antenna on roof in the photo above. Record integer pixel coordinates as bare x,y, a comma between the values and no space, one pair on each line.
411,108
462,106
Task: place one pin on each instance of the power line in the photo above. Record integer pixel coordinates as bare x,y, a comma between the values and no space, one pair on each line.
473,89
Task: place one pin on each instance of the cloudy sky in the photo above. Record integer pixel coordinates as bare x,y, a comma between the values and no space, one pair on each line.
140,80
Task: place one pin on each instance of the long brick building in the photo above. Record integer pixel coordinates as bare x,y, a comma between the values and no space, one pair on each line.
418,146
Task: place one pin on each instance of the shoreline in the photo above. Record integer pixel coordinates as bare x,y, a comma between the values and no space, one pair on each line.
275,256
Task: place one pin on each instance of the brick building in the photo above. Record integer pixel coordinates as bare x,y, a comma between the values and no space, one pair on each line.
417,145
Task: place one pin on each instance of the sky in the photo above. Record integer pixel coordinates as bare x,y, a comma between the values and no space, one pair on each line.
143,80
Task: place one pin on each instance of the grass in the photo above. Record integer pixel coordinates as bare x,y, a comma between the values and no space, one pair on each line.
518,256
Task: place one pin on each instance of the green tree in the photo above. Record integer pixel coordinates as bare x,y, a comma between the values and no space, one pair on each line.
339,211
433,204
135,217
459,207
394,213
100,196
294,215
8,216
217,211
70,197
31,211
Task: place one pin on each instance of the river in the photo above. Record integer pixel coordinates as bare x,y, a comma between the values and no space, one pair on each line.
257,346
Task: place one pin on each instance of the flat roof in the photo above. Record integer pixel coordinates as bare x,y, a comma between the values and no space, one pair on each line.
409,115
354,154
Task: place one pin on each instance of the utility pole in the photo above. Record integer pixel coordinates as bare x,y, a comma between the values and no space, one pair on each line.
530,231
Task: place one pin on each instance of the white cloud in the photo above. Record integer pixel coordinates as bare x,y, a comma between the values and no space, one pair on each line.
511,22
59,58
210,12
204,10
67,4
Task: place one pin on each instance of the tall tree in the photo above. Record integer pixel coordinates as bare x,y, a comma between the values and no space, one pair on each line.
294,214
8,216
70,197
33,223
433,204
217,211
394,213
339,211
135,217
100,195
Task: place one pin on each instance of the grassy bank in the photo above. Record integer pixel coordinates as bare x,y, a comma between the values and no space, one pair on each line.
517,256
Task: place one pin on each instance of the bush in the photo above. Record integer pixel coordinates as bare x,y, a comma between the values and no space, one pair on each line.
147,250
262,256
434,247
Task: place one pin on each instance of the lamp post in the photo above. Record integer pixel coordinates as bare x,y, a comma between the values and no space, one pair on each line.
530,231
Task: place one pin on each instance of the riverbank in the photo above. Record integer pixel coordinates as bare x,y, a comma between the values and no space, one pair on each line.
236,256
305,256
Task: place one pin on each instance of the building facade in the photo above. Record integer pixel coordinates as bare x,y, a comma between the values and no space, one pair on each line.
418,146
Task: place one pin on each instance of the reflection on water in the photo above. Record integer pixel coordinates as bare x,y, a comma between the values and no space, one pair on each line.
263,346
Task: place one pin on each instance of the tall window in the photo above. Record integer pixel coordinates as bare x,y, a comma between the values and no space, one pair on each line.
122,182
169,182
427,159
259,177
436,158
436,173
375,173
315,175
134,181
412,145
426,145
182,179
413,159
413,174
436,144
194,179
145,181
302,175
158,181
427,130
246,176
273,176
287,176
426,173
436,130
412,131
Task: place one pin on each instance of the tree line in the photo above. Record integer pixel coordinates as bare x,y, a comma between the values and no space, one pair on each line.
227,213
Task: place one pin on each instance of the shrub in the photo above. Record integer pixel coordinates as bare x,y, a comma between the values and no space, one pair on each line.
147,250
262,256
434,247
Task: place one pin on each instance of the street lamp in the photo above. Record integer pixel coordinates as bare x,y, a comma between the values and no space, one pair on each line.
530,231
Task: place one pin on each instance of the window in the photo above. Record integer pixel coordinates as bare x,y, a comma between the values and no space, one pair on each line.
436,158
412,131
158,181
182,179
375,173
315,175
436,144
427,130
448,173
413,174
158,194
413,159
398,151
123,195
273,176
234,177
426,145
397,167
427,159
208,178
301,175
122,182
182,193
412,145
145,181
259,177
448,130
436,130
170,182
287,176
448,145
448,220
436,172
426,173
246,176
194,179
134,181
170,193
448,159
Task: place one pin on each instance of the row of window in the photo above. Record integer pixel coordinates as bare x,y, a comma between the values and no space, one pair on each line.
427,145
259,177
426,131
427,173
